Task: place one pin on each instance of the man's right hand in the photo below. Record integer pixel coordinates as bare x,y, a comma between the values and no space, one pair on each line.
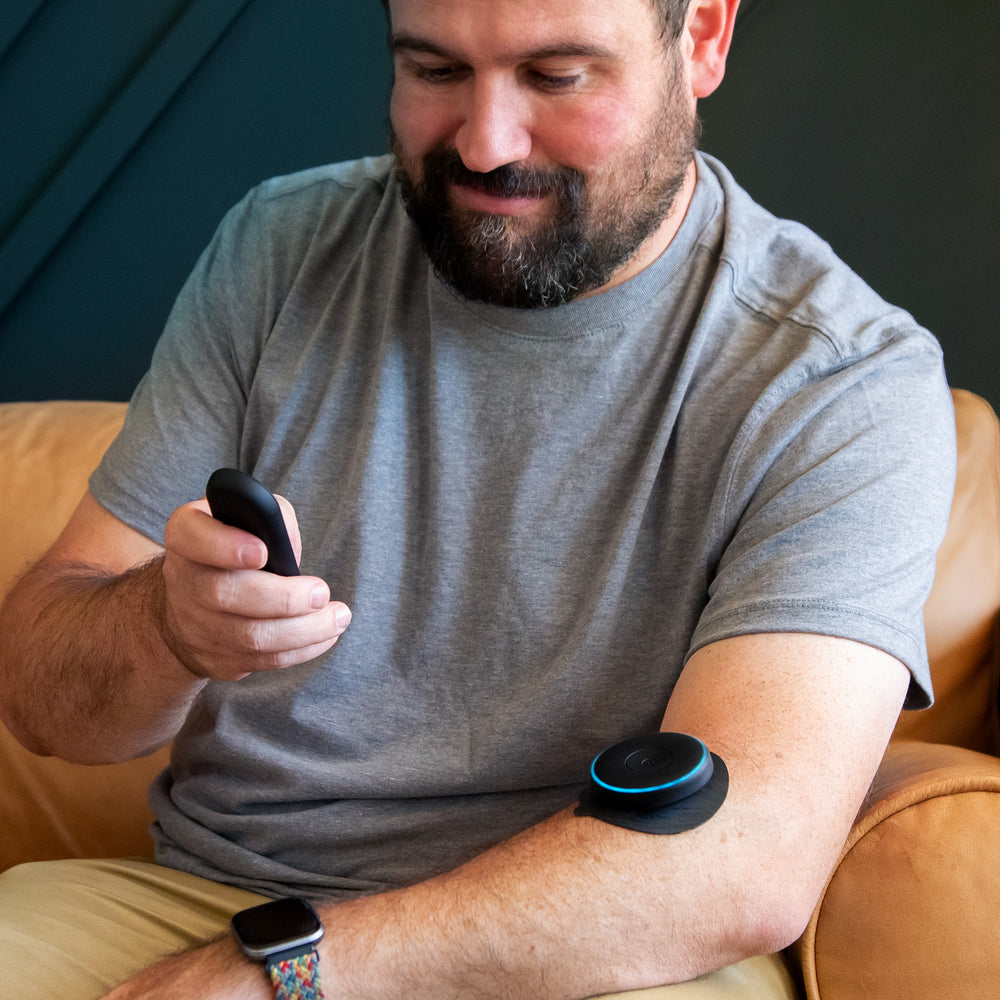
224,616
107,640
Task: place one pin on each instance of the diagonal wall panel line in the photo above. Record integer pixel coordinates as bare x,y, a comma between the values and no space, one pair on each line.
43,227
14,18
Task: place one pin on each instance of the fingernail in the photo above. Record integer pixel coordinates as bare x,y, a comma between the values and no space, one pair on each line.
343,617
253,555
320,596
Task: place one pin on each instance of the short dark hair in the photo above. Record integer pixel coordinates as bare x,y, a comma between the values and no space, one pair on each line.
672,15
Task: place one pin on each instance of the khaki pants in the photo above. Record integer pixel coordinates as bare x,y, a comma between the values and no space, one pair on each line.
71,930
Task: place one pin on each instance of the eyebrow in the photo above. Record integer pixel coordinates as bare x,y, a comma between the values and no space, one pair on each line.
403,42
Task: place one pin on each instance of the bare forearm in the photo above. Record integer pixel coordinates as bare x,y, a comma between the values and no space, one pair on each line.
570,909
85,672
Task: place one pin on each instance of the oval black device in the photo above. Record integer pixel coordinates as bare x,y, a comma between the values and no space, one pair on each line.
651,771
239,500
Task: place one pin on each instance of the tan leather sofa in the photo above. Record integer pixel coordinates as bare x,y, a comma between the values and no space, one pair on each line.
912,911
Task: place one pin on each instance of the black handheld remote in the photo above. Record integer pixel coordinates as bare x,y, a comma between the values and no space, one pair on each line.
239,500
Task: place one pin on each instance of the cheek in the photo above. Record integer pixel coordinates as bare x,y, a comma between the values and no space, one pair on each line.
588,136
418,123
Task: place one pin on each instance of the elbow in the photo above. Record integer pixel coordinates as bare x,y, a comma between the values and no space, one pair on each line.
71,745
776,929
23,736
776,919
760,920
764,917
775,889
29,737
12,718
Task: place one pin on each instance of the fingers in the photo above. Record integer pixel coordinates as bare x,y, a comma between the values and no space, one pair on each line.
193,534
225,617
250,593
224,645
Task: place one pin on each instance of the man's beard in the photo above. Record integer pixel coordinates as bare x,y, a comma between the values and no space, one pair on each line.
505,261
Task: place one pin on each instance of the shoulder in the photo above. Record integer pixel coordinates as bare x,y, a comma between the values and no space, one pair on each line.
306,224
332,181
309,203
789,277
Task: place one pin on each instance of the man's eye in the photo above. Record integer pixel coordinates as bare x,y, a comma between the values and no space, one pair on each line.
554,82
437,74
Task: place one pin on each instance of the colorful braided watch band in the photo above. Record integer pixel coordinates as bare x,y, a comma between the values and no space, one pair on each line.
295,976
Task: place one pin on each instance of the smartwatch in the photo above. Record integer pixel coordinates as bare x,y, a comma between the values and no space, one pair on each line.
283,935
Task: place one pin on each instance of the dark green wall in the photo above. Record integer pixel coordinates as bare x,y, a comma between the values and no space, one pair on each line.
877,123
127,129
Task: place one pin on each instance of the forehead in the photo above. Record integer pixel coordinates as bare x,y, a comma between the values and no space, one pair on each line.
470,27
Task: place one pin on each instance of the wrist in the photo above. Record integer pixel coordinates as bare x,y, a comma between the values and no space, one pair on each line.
172,648
282,935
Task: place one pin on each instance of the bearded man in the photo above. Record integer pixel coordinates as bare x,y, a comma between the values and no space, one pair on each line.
591,446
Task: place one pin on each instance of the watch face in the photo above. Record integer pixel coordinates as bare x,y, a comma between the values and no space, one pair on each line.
283,924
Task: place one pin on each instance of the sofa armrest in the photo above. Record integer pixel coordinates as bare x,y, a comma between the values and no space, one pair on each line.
913,906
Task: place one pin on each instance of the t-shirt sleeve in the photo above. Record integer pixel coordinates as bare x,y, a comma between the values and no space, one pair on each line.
187,413
842,490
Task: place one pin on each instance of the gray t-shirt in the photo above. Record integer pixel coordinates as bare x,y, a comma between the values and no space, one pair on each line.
536,516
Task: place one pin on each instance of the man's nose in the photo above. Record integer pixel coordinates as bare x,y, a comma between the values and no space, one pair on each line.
496,127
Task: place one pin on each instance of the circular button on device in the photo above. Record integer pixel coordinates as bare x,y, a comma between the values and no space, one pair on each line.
651,771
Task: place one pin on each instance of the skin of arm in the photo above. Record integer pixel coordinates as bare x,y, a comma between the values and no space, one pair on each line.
107,640
574,907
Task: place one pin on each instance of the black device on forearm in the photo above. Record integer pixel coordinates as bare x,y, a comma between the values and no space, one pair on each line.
656,783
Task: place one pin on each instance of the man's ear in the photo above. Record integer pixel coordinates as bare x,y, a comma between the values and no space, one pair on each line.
709,33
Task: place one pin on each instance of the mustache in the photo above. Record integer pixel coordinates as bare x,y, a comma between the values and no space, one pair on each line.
511,180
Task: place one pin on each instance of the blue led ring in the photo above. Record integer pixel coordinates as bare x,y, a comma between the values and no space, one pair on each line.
651,771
